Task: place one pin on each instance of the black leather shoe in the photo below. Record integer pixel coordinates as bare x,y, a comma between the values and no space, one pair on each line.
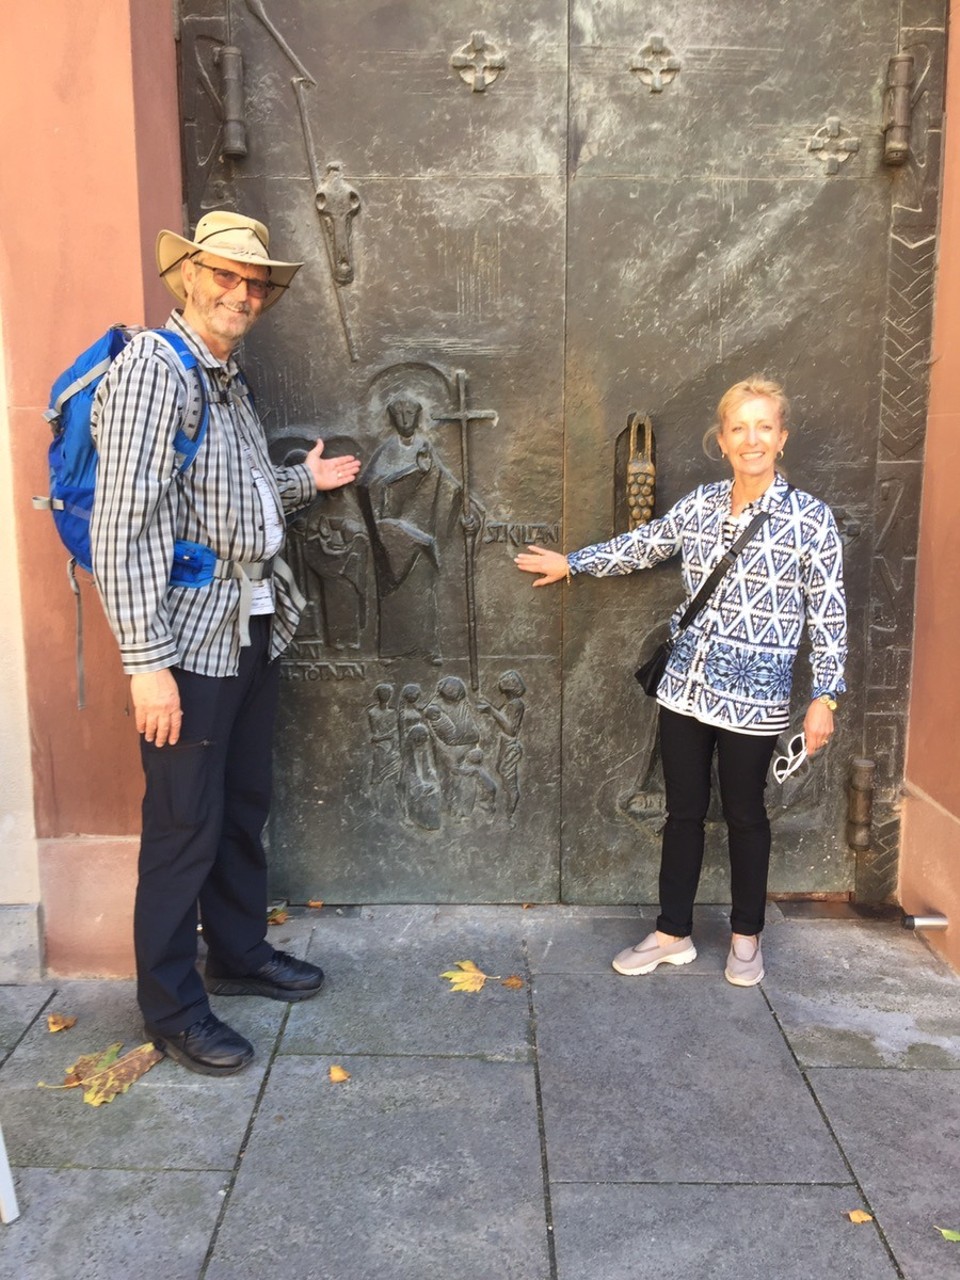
209,1047
283,977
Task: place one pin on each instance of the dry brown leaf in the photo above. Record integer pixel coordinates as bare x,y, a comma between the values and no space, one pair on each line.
469,977
104,1074
90,1064
120,1075
60,1022
316,903
514,982
859,1215
526,906
85,1066
338,1075
278,915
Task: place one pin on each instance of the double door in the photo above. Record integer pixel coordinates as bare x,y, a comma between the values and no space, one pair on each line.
525,227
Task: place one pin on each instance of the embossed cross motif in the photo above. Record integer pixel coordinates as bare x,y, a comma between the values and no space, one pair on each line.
478,63
655,64
833,145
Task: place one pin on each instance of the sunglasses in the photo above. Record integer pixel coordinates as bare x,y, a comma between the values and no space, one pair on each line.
783,766
228,280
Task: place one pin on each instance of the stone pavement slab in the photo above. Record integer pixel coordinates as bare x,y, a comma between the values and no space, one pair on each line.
709,1232
18,1008
900,1131
95,1224
870,995
384,992
413,1168
669,1125
586,943
673,1077
171,1119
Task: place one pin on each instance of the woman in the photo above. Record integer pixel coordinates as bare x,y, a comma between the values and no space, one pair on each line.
727,684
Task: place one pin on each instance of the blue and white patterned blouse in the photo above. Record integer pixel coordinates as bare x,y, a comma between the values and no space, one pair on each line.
733,665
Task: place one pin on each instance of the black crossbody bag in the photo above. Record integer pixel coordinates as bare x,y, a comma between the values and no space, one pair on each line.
650,672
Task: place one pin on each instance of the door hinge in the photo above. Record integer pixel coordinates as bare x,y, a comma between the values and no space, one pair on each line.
898,109
229,58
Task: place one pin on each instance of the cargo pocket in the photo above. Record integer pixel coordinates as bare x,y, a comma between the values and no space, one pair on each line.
178,793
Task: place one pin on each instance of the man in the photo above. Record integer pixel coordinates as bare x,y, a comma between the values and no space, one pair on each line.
202,658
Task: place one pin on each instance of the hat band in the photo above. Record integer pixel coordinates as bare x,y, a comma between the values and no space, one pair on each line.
225,231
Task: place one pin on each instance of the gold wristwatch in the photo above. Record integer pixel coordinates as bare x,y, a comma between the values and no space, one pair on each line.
828,700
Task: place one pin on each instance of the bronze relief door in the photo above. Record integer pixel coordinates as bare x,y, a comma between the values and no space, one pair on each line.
522,227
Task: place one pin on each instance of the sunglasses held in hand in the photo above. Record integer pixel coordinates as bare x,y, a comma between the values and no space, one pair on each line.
784,765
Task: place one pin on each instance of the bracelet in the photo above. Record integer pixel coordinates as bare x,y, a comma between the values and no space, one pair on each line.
828,700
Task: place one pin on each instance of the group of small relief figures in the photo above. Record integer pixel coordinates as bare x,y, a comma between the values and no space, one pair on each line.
429,758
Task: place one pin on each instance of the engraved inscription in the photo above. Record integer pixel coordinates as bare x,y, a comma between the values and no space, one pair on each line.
313,669
518,534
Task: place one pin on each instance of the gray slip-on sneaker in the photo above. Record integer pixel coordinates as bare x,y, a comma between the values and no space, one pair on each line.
744,968
646,955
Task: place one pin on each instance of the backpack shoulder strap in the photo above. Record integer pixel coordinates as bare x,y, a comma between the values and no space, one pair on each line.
190,434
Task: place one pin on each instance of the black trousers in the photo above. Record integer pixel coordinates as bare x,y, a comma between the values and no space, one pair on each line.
204,810
686,749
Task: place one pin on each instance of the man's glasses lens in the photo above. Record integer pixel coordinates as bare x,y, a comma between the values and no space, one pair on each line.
228,280
783,766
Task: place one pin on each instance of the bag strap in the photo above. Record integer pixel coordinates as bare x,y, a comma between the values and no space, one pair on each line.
720,569
189,436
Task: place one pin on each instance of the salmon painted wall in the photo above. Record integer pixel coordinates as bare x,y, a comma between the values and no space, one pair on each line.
930,856
93,90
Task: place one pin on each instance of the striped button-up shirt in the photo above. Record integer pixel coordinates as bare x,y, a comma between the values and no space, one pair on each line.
733,665
141,508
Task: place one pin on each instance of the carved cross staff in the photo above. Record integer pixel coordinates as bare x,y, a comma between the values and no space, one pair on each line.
468,520
336,202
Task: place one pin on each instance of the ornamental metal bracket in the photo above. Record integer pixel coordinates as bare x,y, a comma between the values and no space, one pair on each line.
655,64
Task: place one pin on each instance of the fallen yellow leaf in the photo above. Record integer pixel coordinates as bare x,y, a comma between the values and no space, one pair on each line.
338,1075
858,1215
104,1074
316,903
469,977
514,982
278,915
90,1064
117,1078
60,1022
948,1234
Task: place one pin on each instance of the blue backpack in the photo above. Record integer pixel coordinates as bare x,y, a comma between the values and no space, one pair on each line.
72,455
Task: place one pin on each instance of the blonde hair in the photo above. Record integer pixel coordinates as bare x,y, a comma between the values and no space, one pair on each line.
731,400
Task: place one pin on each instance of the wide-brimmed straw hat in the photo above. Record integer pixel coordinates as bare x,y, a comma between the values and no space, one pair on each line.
225,235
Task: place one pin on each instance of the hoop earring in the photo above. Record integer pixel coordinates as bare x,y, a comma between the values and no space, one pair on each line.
779,455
